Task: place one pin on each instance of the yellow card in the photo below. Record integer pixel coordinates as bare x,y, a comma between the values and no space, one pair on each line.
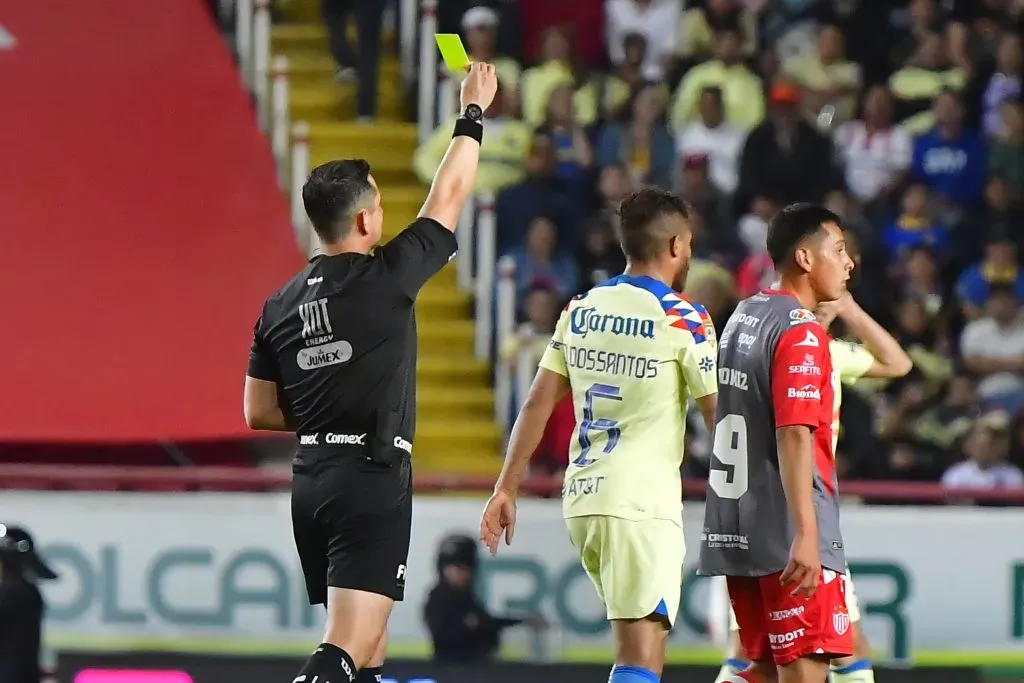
452,51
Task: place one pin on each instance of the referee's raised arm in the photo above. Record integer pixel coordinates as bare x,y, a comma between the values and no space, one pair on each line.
423,248
456,176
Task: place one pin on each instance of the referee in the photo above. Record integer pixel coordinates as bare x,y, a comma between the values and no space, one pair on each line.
333,359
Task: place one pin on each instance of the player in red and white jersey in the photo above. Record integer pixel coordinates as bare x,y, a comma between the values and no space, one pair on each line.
771,522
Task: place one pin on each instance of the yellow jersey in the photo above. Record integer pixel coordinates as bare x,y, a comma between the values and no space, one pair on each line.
634,351
850,362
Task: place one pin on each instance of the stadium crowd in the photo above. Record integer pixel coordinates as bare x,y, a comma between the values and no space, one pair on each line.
905,117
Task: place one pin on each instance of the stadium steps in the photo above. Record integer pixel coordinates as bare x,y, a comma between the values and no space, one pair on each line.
456,432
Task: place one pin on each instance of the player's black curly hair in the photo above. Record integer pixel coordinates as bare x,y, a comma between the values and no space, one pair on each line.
641,231
334,193
791,226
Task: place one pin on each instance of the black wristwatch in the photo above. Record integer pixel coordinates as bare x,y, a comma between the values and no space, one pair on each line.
473,112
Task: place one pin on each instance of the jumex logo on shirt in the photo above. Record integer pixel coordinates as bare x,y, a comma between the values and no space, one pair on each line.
587,319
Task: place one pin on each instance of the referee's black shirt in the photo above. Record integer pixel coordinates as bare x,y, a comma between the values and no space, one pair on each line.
340,342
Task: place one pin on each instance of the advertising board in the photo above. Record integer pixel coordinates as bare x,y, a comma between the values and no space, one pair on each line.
218,572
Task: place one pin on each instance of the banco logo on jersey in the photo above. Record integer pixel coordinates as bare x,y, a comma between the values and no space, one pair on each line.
807,392
587,319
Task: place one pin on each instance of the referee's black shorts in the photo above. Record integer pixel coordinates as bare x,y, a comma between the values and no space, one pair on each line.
352,520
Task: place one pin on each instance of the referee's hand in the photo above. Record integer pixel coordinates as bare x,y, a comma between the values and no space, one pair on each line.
480,85
499,517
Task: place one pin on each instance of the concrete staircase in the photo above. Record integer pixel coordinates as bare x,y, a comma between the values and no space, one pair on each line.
456,431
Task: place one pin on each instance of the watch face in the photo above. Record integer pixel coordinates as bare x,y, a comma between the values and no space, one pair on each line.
474,112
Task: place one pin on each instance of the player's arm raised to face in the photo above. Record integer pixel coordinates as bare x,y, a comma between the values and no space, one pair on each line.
890,360
259,401
798,375
456,176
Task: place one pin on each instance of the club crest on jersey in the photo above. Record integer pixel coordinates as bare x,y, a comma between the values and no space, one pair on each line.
841,622
799,316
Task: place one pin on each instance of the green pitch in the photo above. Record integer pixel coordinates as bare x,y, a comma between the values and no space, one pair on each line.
595,654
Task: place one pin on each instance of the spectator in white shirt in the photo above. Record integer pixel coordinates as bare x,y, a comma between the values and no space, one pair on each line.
711,136
875,153
985,466
657,20
993,349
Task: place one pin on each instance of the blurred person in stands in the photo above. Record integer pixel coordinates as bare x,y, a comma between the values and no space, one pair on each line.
540,308
919,280
627,78
502,156
984,465
914,227
996,216
1007,152
656,20
480,27
583,23
539,262
698,25
555,68
950,159
875,154
461,628
993,349
1004,84
926,74
539,193
574,155
924,18
785,157
944,424
622,492
714,231
826,77
369,16
1000,266
613,186
601,257
741,88
640,141
1016,451
710,135
21,606
333,361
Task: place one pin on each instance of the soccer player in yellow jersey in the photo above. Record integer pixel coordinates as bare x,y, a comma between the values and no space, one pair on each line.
633,351
878,355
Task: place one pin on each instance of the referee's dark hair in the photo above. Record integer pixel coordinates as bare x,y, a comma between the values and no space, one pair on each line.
791,226
334,193
643,231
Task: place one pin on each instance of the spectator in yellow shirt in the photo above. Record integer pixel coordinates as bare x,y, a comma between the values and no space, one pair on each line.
557,68
502,155
826,77
927,73
480,27
741,89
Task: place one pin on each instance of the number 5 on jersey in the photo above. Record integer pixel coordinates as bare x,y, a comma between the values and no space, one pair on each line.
589,424
731,479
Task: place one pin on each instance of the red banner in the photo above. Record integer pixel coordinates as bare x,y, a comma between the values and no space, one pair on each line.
141,224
